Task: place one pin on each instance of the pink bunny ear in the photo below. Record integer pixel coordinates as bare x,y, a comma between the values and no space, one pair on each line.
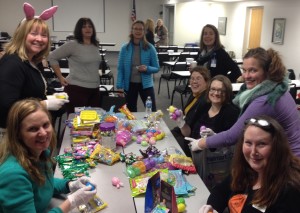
48,13
28,10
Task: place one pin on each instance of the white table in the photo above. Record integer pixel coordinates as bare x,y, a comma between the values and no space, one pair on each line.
193,203
120,199
236,86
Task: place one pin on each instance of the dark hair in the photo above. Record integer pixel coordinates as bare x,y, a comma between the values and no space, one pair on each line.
203,71
227,86
78,31
282,169
270,61
217,44
144,40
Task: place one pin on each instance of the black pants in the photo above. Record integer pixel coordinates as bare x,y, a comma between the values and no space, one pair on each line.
132,96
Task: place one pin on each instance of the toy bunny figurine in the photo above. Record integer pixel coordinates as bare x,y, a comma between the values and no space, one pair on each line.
116,182
45,15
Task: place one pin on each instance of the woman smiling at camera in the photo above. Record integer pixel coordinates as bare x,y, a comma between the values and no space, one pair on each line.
265,175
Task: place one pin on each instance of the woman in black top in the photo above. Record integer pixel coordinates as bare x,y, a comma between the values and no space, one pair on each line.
213,56
149,28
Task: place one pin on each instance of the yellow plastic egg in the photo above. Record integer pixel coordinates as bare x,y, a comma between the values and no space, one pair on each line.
181,207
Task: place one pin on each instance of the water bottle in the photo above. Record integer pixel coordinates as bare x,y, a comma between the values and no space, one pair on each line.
148,106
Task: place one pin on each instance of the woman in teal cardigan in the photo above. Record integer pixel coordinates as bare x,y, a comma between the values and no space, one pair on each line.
137,62
27,183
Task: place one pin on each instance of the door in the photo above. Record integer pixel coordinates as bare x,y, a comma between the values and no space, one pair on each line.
255,27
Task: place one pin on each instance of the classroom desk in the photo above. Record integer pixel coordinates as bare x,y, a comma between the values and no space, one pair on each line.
120,199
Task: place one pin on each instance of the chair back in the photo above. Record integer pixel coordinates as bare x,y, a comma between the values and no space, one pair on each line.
180,66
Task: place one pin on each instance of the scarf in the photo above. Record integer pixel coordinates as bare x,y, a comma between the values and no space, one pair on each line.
274,90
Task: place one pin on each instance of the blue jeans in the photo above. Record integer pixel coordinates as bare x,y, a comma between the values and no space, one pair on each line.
132,96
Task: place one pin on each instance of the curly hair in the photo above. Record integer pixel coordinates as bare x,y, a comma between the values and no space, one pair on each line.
12,143
270,61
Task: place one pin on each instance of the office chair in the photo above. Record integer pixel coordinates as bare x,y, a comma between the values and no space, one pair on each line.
163,56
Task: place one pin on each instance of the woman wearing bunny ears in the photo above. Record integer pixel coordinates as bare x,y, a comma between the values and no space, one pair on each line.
20,77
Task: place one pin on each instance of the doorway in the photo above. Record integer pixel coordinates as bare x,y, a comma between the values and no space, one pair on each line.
168,17
254,27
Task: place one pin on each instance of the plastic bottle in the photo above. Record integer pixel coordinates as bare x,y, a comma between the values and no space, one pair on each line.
148,106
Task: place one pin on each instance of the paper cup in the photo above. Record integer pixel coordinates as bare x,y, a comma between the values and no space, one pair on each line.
193,64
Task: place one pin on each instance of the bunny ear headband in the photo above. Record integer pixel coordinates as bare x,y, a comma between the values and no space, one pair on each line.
45,15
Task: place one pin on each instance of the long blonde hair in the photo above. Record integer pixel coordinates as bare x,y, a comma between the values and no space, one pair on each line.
17,45
12,143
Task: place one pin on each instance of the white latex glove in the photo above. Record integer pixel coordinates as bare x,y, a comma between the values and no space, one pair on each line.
61,95
81,196
194,144
55,103
207,209
179,119
207,132
80,183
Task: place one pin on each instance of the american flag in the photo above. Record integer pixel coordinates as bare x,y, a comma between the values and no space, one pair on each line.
133,12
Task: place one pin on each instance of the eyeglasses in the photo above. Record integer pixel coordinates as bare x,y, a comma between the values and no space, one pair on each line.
214,90
196,79
264,124
138,29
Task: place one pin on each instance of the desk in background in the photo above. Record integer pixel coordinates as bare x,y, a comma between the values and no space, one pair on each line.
120,199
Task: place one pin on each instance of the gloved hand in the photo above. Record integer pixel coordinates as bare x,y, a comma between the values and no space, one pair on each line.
180,120
55,103
80,183
194,144
207,132
81,196
61,95
207,209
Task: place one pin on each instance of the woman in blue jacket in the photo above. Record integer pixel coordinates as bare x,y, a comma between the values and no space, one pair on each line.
137,62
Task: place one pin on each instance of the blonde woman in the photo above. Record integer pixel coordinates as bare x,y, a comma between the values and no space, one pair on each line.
149,29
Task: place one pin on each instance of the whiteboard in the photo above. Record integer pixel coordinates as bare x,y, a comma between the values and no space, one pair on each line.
70,11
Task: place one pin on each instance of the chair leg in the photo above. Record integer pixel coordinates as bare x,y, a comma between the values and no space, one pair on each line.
159,85
172,96
181,101
168,89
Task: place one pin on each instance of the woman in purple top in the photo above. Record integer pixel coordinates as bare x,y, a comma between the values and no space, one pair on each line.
265,92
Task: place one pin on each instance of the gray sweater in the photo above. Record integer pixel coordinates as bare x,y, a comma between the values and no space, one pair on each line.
84,61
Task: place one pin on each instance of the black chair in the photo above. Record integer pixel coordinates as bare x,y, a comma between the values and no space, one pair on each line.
110,98
163,56
291,73
183,89
63,63
294,92
170,76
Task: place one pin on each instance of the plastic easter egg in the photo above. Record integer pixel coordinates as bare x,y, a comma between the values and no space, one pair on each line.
147,164
134,138
202,128
144,136
172,109
149,134
174,116
152,162
181,207
177,112
152,141
130,172
144,143
160,159
180,200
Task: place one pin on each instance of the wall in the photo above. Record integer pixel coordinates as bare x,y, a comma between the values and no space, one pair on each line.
190,17
117,17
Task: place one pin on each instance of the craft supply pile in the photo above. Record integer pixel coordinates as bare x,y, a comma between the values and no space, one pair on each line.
97,135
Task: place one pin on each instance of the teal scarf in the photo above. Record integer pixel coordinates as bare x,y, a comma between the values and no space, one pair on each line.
274,90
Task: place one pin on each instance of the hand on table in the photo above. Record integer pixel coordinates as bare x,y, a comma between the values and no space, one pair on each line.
80,183
81,196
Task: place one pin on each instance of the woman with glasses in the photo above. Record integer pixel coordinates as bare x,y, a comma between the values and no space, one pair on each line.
199,81
265,92
265,175
137,63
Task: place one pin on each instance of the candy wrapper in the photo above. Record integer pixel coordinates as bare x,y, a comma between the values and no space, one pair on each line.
94,205
182,162
123,137
105,155
126,111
